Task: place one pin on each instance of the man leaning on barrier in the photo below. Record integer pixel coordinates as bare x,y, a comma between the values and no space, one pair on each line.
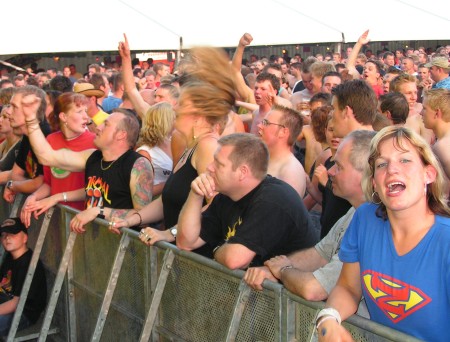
253,217
312,273
118,179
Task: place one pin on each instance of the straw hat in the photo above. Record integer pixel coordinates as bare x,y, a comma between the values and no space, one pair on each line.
88,90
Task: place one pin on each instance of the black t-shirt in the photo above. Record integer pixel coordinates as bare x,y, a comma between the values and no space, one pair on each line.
270,220
13,274
109,185
8,160
26,159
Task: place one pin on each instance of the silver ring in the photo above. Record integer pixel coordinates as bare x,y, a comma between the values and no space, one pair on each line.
147,238
141,233
110,223
114,224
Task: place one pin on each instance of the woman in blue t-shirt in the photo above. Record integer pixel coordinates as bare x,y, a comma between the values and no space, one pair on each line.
395,251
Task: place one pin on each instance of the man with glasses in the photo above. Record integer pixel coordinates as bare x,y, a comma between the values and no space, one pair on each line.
252,216
279,130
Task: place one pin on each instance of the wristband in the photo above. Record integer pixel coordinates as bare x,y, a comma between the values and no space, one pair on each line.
101,214
285,268
328,312
64,197
326,318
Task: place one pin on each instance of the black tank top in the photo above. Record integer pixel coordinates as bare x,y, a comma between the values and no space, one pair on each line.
109,185
176,190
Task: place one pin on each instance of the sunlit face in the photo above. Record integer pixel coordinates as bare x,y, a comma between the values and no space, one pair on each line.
91,72
387,81
349,51
107,131
389,60
259,65
423,73
42,80
370,74
329,83
316,82
106,87
407,65
221,170
5,126
15,114
75,119
269,132
338,120
428,116
400,177
409,90
284,69
262,91
66,72
331,138
337,58
435,73
346,180
150,81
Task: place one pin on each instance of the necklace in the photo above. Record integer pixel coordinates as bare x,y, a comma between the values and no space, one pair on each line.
109,166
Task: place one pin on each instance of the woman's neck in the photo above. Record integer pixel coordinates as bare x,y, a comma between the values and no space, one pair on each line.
69,134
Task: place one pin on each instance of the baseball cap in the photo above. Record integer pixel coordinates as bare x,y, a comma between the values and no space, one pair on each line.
13,225
440,62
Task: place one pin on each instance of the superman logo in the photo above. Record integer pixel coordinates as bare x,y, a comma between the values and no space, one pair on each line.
395,298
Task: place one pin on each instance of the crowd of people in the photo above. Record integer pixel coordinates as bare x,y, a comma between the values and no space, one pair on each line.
328,174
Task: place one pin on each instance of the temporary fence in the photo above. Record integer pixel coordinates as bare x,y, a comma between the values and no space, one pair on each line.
105,287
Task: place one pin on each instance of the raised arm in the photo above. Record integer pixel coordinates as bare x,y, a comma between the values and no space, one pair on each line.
351,62
128,79
64,158
244,92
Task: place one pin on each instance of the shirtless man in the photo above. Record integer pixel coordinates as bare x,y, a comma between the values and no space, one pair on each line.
279,130
407,85
436,116
266,89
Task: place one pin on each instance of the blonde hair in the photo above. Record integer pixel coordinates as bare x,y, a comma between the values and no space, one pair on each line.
436,197
210,85
156,124
439,98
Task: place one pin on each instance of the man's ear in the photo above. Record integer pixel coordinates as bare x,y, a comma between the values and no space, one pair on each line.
243,171
348,112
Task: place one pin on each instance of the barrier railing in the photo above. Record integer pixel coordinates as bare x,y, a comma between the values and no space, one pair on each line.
103,287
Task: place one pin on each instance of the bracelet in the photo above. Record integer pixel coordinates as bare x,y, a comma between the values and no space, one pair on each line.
64,197
326,318
285,268
328,312
140,217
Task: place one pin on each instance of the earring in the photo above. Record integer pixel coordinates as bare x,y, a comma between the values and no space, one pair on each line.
425,189
373,198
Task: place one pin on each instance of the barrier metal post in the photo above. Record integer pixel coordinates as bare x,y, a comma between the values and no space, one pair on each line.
157,295
241,302
58,284
125,240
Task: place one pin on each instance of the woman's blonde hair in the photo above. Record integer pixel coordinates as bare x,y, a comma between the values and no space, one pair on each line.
156,124
210,85
436,196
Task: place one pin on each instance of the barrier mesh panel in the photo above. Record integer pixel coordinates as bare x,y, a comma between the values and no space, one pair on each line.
198,302
305,320
93,256
258,320
128,308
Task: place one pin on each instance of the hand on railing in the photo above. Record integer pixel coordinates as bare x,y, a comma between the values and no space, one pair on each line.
82,218
150,236
255,276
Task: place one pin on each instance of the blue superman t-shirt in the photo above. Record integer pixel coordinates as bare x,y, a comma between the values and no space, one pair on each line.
410,293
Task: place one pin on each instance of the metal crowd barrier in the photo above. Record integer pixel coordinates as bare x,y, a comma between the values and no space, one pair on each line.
104,287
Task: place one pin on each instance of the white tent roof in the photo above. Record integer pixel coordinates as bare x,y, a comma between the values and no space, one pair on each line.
97,25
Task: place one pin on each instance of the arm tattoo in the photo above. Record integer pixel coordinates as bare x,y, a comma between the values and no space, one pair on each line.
142,173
